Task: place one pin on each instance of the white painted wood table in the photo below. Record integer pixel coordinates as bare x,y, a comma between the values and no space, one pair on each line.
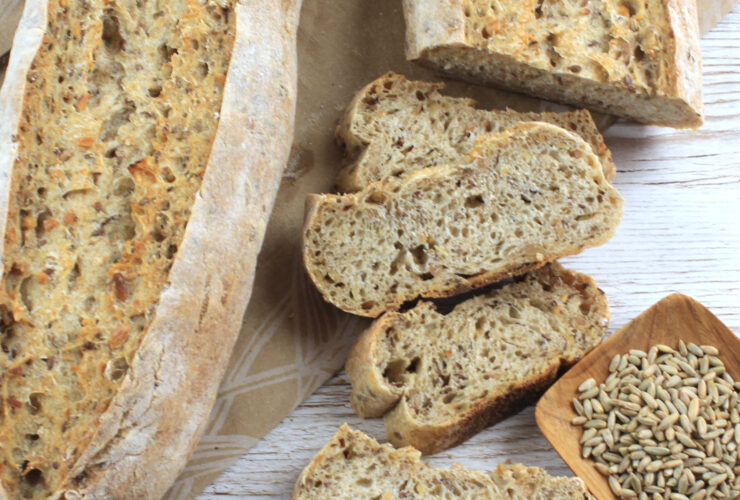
680,233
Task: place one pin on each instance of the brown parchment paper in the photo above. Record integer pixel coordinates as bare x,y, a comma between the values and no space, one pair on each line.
291,340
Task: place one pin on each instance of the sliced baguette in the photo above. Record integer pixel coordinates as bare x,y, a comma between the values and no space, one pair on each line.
394,126
355,466
529,195
637,59
439,379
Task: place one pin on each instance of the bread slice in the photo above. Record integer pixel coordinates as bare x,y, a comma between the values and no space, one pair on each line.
637,59
528,196
439,379
394,126
141,148
354,466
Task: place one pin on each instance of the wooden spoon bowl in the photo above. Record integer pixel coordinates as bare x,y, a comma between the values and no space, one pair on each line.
673,318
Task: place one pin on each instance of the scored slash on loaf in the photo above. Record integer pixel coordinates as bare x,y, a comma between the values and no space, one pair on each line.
636,58
439,379
354,466
394,126
525,197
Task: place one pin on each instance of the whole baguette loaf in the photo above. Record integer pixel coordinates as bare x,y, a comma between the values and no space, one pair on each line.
439,379
526,197
394,126
136,182
354,466
636,59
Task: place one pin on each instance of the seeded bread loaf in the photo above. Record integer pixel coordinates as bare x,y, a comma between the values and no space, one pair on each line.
439,379
131,217
354,466
395,126
637,58
526,197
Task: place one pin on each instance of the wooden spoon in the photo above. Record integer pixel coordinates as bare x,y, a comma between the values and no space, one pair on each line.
673,318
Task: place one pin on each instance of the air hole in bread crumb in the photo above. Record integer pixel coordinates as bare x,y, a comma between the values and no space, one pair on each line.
112,33
203,69
166,52
74,273
474,201
33,477
26,292
585,307
420,255
34,402
513,313
376,198
117,368
639,53
365,482
171,251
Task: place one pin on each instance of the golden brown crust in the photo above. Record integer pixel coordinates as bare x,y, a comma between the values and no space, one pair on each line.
147,434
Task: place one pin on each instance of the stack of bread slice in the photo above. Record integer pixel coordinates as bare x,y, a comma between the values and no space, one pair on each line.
446,198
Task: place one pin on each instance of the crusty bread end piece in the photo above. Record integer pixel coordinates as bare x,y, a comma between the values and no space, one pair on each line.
394,126
439,379
354,466
638,59
528,196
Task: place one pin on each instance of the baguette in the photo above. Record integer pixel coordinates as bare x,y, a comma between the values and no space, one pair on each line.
354,466
131,216
439,379
526,197
394,126
636,59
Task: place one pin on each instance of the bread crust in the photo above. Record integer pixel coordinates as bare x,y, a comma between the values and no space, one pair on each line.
147,434
433,26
